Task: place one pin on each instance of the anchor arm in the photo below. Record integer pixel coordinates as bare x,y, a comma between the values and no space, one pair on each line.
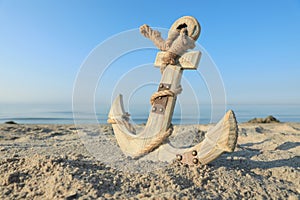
221,138
158,125
159,121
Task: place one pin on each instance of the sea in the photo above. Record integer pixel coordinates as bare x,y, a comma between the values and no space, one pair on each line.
63,114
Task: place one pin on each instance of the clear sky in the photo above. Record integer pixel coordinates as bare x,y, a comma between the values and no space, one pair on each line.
255,44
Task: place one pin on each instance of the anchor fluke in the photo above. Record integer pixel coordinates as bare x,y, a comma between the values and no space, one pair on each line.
219,139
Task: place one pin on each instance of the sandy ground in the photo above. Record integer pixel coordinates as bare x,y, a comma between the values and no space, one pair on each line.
53,162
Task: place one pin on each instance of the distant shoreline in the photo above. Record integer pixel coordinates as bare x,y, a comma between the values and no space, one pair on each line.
62,114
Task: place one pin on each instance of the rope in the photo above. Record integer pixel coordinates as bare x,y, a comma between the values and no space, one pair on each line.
111,121
160,94
163,93
122,119
175,45
155,142
155,36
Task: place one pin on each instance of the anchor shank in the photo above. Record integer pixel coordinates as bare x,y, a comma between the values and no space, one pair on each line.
164,105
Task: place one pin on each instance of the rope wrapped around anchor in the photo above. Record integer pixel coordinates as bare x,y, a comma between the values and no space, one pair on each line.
163,93
155,143
159,139
122,119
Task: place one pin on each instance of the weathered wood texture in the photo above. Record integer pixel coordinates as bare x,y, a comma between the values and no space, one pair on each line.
221,138
157,125
173,59
189,60
192,25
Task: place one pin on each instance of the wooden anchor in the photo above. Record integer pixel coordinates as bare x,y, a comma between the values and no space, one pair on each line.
149,143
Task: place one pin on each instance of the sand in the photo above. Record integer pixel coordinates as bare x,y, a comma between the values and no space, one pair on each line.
55,162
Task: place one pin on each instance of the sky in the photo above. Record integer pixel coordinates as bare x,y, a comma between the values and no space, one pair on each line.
254,44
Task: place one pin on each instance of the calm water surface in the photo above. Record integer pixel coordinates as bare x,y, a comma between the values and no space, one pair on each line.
63,114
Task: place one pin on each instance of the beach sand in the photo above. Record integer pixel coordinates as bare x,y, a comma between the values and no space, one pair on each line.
52,162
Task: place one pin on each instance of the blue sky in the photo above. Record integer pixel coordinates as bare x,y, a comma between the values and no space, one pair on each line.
255,44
